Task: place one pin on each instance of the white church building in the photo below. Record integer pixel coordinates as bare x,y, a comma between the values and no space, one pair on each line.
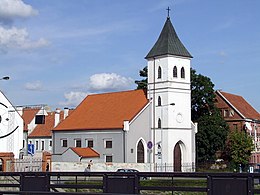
138,126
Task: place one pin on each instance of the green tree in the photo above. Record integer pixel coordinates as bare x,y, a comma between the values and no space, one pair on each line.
142,84
211,136
202,95
239,147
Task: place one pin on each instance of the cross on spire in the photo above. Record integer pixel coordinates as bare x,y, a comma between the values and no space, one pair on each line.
168,9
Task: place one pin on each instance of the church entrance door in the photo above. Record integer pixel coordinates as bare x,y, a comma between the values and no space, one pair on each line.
177,158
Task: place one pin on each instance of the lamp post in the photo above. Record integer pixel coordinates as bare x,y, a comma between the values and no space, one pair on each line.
5,78
160,146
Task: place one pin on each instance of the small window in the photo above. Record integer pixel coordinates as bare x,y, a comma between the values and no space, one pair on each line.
78,143
226,113
175,72
108,144
37,145
50,144
42,148
23,143
159,123
109,158
159,72
39,119
182,73
90,144
159,101
64,143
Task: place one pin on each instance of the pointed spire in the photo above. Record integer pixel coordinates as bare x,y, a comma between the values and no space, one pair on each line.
168,43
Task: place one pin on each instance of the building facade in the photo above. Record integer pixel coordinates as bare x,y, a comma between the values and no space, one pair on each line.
241,116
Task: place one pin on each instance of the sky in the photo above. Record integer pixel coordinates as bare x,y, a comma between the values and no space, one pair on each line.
58,52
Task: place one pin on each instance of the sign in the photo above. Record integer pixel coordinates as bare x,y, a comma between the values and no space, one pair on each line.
149,145
31,149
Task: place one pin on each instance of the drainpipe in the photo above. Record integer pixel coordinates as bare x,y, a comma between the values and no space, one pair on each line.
125,130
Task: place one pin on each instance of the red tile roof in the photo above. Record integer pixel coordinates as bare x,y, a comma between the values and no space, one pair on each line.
241,105
105,111
44,130
85,152
28,115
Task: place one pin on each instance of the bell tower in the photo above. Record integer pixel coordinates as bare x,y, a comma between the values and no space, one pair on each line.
172,131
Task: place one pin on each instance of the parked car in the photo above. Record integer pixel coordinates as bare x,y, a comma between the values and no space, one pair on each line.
127,170
130,171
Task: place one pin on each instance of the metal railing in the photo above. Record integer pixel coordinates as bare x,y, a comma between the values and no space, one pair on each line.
128,183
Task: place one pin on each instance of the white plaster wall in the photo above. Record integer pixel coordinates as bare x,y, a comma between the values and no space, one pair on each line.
102,167
14,142
139,130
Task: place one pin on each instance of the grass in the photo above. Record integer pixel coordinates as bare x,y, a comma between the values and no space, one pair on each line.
166,182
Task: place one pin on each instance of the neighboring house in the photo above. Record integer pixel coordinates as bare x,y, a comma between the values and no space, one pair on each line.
11,128
135,126
28,115
38,123
240,115
41,134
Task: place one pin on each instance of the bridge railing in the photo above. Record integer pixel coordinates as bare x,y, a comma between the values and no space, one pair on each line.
128,183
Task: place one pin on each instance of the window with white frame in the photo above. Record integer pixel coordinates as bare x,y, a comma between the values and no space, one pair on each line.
89,143
108,143
78,143
42,145
64,143
37,145
108,158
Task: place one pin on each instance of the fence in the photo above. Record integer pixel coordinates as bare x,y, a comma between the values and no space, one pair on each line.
128,183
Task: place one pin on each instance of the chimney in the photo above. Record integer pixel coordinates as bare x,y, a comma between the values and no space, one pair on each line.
57,117
66,112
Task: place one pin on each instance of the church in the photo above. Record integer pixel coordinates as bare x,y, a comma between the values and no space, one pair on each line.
138,126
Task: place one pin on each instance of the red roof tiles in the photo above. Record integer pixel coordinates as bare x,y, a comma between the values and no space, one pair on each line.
241,105
44,130
85,152
105,111
28,115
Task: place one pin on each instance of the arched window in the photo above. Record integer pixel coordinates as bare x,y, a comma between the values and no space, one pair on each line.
140,152
175,72
159,123
159,72
182,73
159,101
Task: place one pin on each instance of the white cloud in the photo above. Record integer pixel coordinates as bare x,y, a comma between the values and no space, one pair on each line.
34,86
11,9
73,98
108,81
223,54
14,38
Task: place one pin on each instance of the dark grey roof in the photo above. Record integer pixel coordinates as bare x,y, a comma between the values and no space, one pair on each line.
168,43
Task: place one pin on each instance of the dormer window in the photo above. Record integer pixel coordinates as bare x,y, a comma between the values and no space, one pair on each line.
159,101
182,73
159,72
175,72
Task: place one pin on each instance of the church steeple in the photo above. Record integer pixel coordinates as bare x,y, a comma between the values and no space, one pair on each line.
168,43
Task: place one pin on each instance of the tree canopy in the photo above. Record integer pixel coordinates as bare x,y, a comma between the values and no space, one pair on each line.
239,147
